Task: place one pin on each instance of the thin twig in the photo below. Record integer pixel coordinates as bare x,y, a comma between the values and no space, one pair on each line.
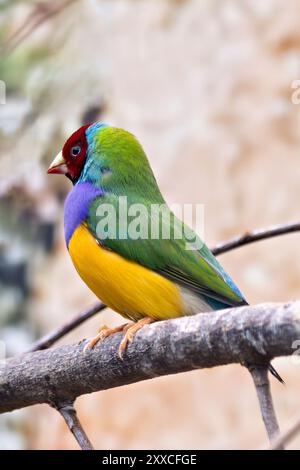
69,414
50,338
36,18
254,236
286,437
262,385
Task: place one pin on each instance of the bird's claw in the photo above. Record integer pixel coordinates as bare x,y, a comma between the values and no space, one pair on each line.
130,331
103,332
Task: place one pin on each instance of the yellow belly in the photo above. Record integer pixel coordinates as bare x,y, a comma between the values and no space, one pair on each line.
128,288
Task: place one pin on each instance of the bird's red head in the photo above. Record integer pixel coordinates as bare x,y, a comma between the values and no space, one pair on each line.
71,159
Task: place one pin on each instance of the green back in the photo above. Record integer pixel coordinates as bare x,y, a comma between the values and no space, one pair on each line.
117,163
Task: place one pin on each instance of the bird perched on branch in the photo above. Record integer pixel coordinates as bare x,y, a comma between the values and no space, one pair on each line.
127,261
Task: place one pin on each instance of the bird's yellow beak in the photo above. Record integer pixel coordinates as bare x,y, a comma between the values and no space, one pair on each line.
58,165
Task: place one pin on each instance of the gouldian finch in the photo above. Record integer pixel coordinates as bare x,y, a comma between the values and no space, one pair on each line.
144,278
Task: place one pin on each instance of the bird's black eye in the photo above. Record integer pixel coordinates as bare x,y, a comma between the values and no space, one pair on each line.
75,150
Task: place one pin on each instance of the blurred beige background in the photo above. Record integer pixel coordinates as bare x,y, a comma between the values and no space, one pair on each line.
206,87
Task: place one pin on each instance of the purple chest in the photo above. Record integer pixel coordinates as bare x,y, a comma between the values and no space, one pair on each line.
77,206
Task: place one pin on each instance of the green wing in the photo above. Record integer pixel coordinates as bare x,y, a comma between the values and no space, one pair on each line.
197,269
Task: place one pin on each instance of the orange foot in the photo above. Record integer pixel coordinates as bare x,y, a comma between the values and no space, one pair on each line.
103,332
130,330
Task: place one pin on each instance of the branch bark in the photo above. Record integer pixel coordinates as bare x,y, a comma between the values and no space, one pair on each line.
69,414
247,335
262,386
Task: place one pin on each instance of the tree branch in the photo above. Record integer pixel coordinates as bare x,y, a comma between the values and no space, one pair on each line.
248,335
69,414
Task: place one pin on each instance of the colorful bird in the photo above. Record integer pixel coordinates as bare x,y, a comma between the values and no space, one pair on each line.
144,278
